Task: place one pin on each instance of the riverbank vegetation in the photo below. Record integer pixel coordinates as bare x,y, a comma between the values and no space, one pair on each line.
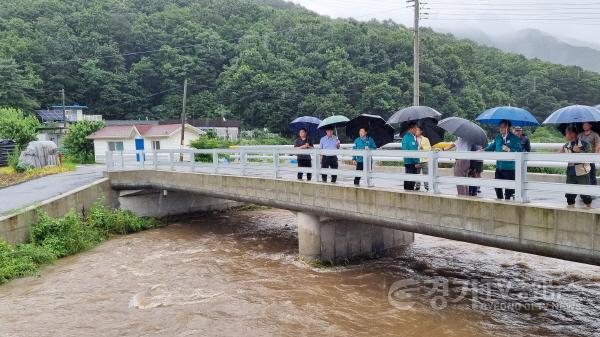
263,62
53,238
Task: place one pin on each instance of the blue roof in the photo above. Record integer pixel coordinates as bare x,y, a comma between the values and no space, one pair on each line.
74,106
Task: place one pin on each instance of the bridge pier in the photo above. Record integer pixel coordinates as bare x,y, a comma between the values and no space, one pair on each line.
336,240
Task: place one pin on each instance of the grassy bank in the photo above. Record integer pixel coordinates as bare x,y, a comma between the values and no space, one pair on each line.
9,176
53,238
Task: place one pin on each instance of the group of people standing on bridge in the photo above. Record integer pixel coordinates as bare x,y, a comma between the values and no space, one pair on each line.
416,134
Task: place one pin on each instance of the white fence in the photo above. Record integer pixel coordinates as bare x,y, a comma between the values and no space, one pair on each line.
277,162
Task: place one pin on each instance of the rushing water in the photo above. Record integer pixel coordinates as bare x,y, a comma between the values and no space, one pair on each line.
237,274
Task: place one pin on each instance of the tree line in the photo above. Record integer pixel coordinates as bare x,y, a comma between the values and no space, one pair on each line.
263,62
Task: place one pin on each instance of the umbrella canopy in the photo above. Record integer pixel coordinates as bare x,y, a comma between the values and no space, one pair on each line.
465,129
305,122
574,114
413,113
430,128
516,116
381,132
333,122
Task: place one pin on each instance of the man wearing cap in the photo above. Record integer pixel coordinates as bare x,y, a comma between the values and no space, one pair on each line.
525,143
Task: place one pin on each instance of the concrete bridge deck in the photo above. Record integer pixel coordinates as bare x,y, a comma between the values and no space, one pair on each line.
547,230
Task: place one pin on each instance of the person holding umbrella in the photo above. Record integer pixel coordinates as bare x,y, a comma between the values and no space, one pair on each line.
362,142
424,145
470,136
409,143
505,169
329,142
593,139
461,166
304,160
577,173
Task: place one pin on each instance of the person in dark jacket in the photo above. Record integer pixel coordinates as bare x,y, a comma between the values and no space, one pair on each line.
304,160
363,142
525,142
505,169
577,173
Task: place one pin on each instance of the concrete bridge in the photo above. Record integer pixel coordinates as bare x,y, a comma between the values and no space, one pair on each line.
340,221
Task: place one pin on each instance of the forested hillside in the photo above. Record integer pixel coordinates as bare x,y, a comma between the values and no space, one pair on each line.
262,62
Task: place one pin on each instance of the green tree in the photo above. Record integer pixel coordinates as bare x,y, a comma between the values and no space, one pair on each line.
79,148
15,125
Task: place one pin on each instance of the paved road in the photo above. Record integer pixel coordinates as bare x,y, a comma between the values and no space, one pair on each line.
40,189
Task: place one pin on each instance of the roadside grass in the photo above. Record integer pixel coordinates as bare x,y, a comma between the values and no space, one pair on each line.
9,176
53,238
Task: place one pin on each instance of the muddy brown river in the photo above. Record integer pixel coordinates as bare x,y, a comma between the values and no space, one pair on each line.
237,274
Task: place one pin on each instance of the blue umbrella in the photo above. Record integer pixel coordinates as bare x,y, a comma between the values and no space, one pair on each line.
574,114
516,116
305,122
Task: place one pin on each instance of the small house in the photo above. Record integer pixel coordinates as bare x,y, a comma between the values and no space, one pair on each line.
224,128
123,138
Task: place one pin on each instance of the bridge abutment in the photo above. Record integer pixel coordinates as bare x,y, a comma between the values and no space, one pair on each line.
336,240
159,203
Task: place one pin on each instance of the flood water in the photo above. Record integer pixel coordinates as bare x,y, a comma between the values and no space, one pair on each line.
237,273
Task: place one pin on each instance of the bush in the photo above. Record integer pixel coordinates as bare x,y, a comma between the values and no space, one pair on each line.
65,236
13,265
78,148
15,125
38,254
52,238
208,141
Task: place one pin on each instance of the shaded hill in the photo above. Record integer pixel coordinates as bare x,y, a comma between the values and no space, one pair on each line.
261,62
533,43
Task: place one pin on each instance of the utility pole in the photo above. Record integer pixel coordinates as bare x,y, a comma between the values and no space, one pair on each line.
64,109
183,115
416,46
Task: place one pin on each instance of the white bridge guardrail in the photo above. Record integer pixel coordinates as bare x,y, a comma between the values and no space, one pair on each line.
272,162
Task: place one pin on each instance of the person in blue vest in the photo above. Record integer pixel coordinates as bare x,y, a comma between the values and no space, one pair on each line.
505,169
409,142
363,142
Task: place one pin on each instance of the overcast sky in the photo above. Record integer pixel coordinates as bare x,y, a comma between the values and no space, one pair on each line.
567,19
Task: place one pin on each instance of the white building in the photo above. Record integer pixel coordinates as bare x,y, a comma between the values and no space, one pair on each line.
223,128
123,138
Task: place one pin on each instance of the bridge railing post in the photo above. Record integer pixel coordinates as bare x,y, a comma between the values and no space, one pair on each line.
215,160
155,159
432,172
110,165
520,177
367,167
276,162
122,161
243,161
192,161
171,161
316,164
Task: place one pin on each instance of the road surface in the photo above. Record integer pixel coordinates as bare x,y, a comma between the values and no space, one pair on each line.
40,189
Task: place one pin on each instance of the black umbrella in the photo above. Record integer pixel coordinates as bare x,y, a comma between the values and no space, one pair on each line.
578,127
430,128
381,132
414,113
465,129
